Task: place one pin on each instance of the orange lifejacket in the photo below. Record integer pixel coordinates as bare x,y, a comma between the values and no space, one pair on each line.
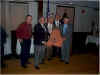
55,38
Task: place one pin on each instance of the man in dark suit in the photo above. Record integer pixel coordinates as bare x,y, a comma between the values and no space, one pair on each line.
66,31
40,31
57,21
2,42
24,33
57,24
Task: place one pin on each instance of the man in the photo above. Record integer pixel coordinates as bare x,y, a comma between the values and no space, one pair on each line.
40,31
66,31
24,33
50,26
57,23
2,42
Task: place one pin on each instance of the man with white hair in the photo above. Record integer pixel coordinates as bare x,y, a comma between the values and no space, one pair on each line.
39,38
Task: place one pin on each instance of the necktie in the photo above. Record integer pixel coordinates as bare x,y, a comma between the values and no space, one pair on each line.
57,23
44,27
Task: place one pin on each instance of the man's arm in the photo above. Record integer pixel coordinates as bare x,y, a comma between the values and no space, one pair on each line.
19,32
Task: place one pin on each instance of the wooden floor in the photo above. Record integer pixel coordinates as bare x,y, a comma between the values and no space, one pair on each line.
79,64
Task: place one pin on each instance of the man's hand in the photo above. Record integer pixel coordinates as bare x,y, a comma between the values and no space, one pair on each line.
64,38
43,42
20,40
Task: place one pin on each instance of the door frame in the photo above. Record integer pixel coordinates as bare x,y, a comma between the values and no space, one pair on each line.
73,16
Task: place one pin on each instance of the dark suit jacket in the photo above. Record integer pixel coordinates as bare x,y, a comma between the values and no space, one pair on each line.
3,36
40,34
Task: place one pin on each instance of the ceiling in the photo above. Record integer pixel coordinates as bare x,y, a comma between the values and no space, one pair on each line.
84,3
92,4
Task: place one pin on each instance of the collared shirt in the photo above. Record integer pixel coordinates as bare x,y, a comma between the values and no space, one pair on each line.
57,23
43,27
24,31
65,28
50,27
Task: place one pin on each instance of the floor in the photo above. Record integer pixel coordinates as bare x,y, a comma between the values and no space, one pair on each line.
79,64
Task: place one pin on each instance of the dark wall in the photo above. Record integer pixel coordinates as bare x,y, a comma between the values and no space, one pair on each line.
78,43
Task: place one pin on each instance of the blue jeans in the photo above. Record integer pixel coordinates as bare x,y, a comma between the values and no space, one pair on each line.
39,51
25,51
65,50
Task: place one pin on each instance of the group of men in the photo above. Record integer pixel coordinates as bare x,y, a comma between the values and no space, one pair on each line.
42,31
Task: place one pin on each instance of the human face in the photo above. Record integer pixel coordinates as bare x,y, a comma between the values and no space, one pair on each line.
29,20
42,20
50,20
57,17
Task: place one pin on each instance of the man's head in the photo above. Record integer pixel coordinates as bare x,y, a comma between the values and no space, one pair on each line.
28,19
57,17
50,20
66,20
42,20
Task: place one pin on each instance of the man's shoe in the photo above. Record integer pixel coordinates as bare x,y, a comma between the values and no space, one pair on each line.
24,66
3,65
49,59
36,67
66,62
61,60
28,63
42,63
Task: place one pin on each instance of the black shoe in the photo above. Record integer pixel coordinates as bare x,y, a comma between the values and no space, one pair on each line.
28,63
42,63
36,67
3,66
61,60
66,62
24,66
49,59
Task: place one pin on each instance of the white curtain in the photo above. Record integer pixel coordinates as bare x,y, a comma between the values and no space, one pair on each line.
7,46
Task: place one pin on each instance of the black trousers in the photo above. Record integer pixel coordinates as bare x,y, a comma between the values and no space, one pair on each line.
56,51
2,55
25,51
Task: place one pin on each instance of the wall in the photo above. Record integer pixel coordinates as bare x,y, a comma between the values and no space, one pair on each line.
82,22
6,17
33,10
52,7
15,14
18,13
0,13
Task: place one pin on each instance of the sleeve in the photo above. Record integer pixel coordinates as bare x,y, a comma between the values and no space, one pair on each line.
19,31
36,32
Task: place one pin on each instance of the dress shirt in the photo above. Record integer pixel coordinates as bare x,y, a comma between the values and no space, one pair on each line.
50,27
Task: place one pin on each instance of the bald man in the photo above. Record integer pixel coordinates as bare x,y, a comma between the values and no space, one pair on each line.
39,37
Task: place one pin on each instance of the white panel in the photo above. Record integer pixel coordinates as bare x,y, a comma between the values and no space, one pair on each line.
33,10
7,17
18,13
44,8
0,13
84,21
